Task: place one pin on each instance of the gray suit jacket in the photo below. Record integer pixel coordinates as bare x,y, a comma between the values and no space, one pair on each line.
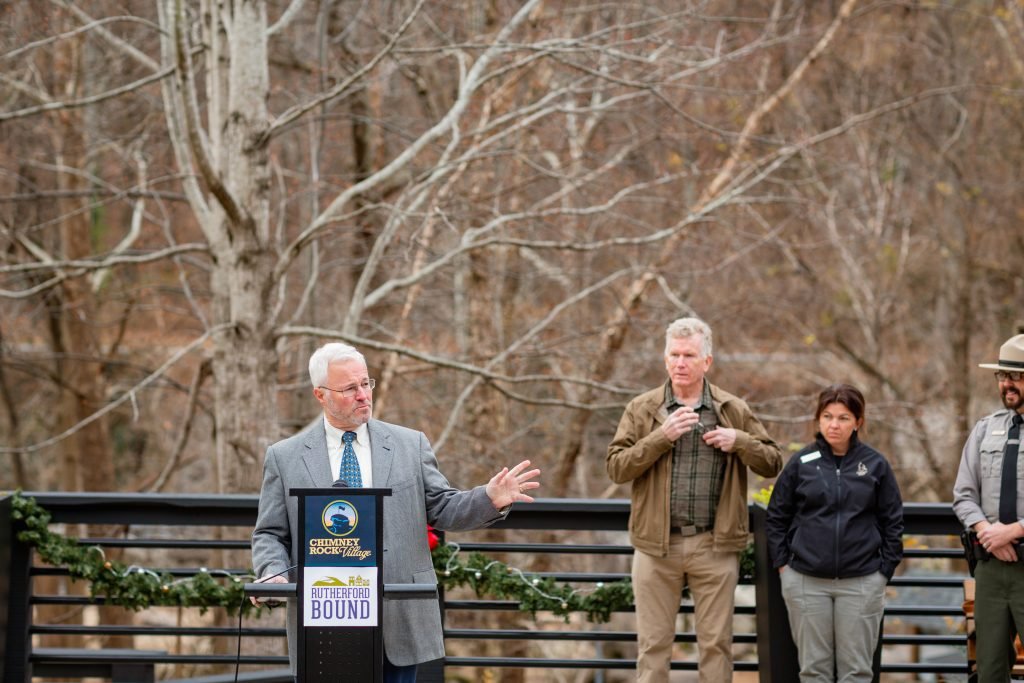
404,462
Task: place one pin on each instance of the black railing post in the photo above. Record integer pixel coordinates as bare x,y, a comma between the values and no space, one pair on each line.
15,592
776,652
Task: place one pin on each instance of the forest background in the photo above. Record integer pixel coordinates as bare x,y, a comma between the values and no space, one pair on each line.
502,204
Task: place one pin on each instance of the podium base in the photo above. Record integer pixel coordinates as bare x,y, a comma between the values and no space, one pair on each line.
346,654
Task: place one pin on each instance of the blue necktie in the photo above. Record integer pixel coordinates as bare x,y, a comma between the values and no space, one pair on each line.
350,472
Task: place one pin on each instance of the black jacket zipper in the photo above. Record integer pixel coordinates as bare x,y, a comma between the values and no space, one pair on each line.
839,484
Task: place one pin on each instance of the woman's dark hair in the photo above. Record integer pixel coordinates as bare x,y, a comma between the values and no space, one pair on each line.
849,396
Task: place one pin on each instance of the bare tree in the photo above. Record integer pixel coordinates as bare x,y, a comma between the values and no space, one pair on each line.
503,204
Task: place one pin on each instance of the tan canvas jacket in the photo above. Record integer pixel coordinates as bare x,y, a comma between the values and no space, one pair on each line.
641,454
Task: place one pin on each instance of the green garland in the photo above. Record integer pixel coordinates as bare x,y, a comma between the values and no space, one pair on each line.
533,593
131,587
137,588
495,579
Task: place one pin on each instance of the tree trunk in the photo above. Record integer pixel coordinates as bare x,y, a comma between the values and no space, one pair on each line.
236,170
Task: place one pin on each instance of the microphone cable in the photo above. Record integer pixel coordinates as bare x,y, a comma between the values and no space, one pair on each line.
238,651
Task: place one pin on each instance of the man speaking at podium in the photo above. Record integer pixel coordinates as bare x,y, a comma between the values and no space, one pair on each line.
349,448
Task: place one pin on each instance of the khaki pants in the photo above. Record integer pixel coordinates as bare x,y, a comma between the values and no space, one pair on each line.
657,586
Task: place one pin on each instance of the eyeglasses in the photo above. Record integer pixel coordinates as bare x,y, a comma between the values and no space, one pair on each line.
1003,375
366,385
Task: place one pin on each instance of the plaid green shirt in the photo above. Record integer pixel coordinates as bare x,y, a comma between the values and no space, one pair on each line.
697,469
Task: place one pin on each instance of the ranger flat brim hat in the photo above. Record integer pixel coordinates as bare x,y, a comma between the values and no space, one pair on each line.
1011,356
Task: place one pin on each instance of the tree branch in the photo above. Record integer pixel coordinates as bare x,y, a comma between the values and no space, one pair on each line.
441,362
81,267
467,87
86,101
126,396
298,111
185,76
86,265
286,17
202,373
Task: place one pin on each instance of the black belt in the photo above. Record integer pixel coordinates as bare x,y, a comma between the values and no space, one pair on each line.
692,530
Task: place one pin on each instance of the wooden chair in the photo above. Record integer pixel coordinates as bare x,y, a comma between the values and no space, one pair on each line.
972,667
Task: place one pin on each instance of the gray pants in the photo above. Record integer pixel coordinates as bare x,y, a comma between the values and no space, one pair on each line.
835,624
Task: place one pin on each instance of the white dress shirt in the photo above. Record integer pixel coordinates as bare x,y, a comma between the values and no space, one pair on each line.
335,447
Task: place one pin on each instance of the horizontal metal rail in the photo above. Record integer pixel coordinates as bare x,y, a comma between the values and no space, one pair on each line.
167,543
125,630
125,656
546,515
554,663
577,636
682,637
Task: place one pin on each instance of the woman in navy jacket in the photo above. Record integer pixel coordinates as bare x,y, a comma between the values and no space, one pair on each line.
835,527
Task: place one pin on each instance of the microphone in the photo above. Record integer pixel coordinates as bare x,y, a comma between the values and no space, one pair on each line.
340,484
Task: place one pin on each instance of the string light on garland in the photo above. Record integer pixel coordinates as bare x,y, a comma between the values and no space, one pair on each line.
132,587
136,588
533,593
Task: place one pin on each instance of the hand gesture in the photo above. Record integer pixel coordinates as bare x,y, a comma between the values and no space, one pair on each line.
509,485
681,421
722,438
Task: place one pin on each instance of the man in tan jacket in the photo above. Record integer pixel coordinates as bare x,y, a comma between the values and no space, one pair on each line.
685,446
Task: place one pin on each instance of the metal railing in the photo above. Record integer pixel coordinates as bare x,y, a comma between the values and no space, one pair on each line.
923,631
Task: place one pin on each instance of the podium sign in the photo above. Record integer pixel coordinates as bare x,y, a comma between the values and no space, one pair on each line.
340,583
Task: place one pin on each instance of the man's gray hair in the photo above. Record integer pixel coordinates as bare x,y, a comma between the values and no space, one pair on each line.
688,327
333,352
